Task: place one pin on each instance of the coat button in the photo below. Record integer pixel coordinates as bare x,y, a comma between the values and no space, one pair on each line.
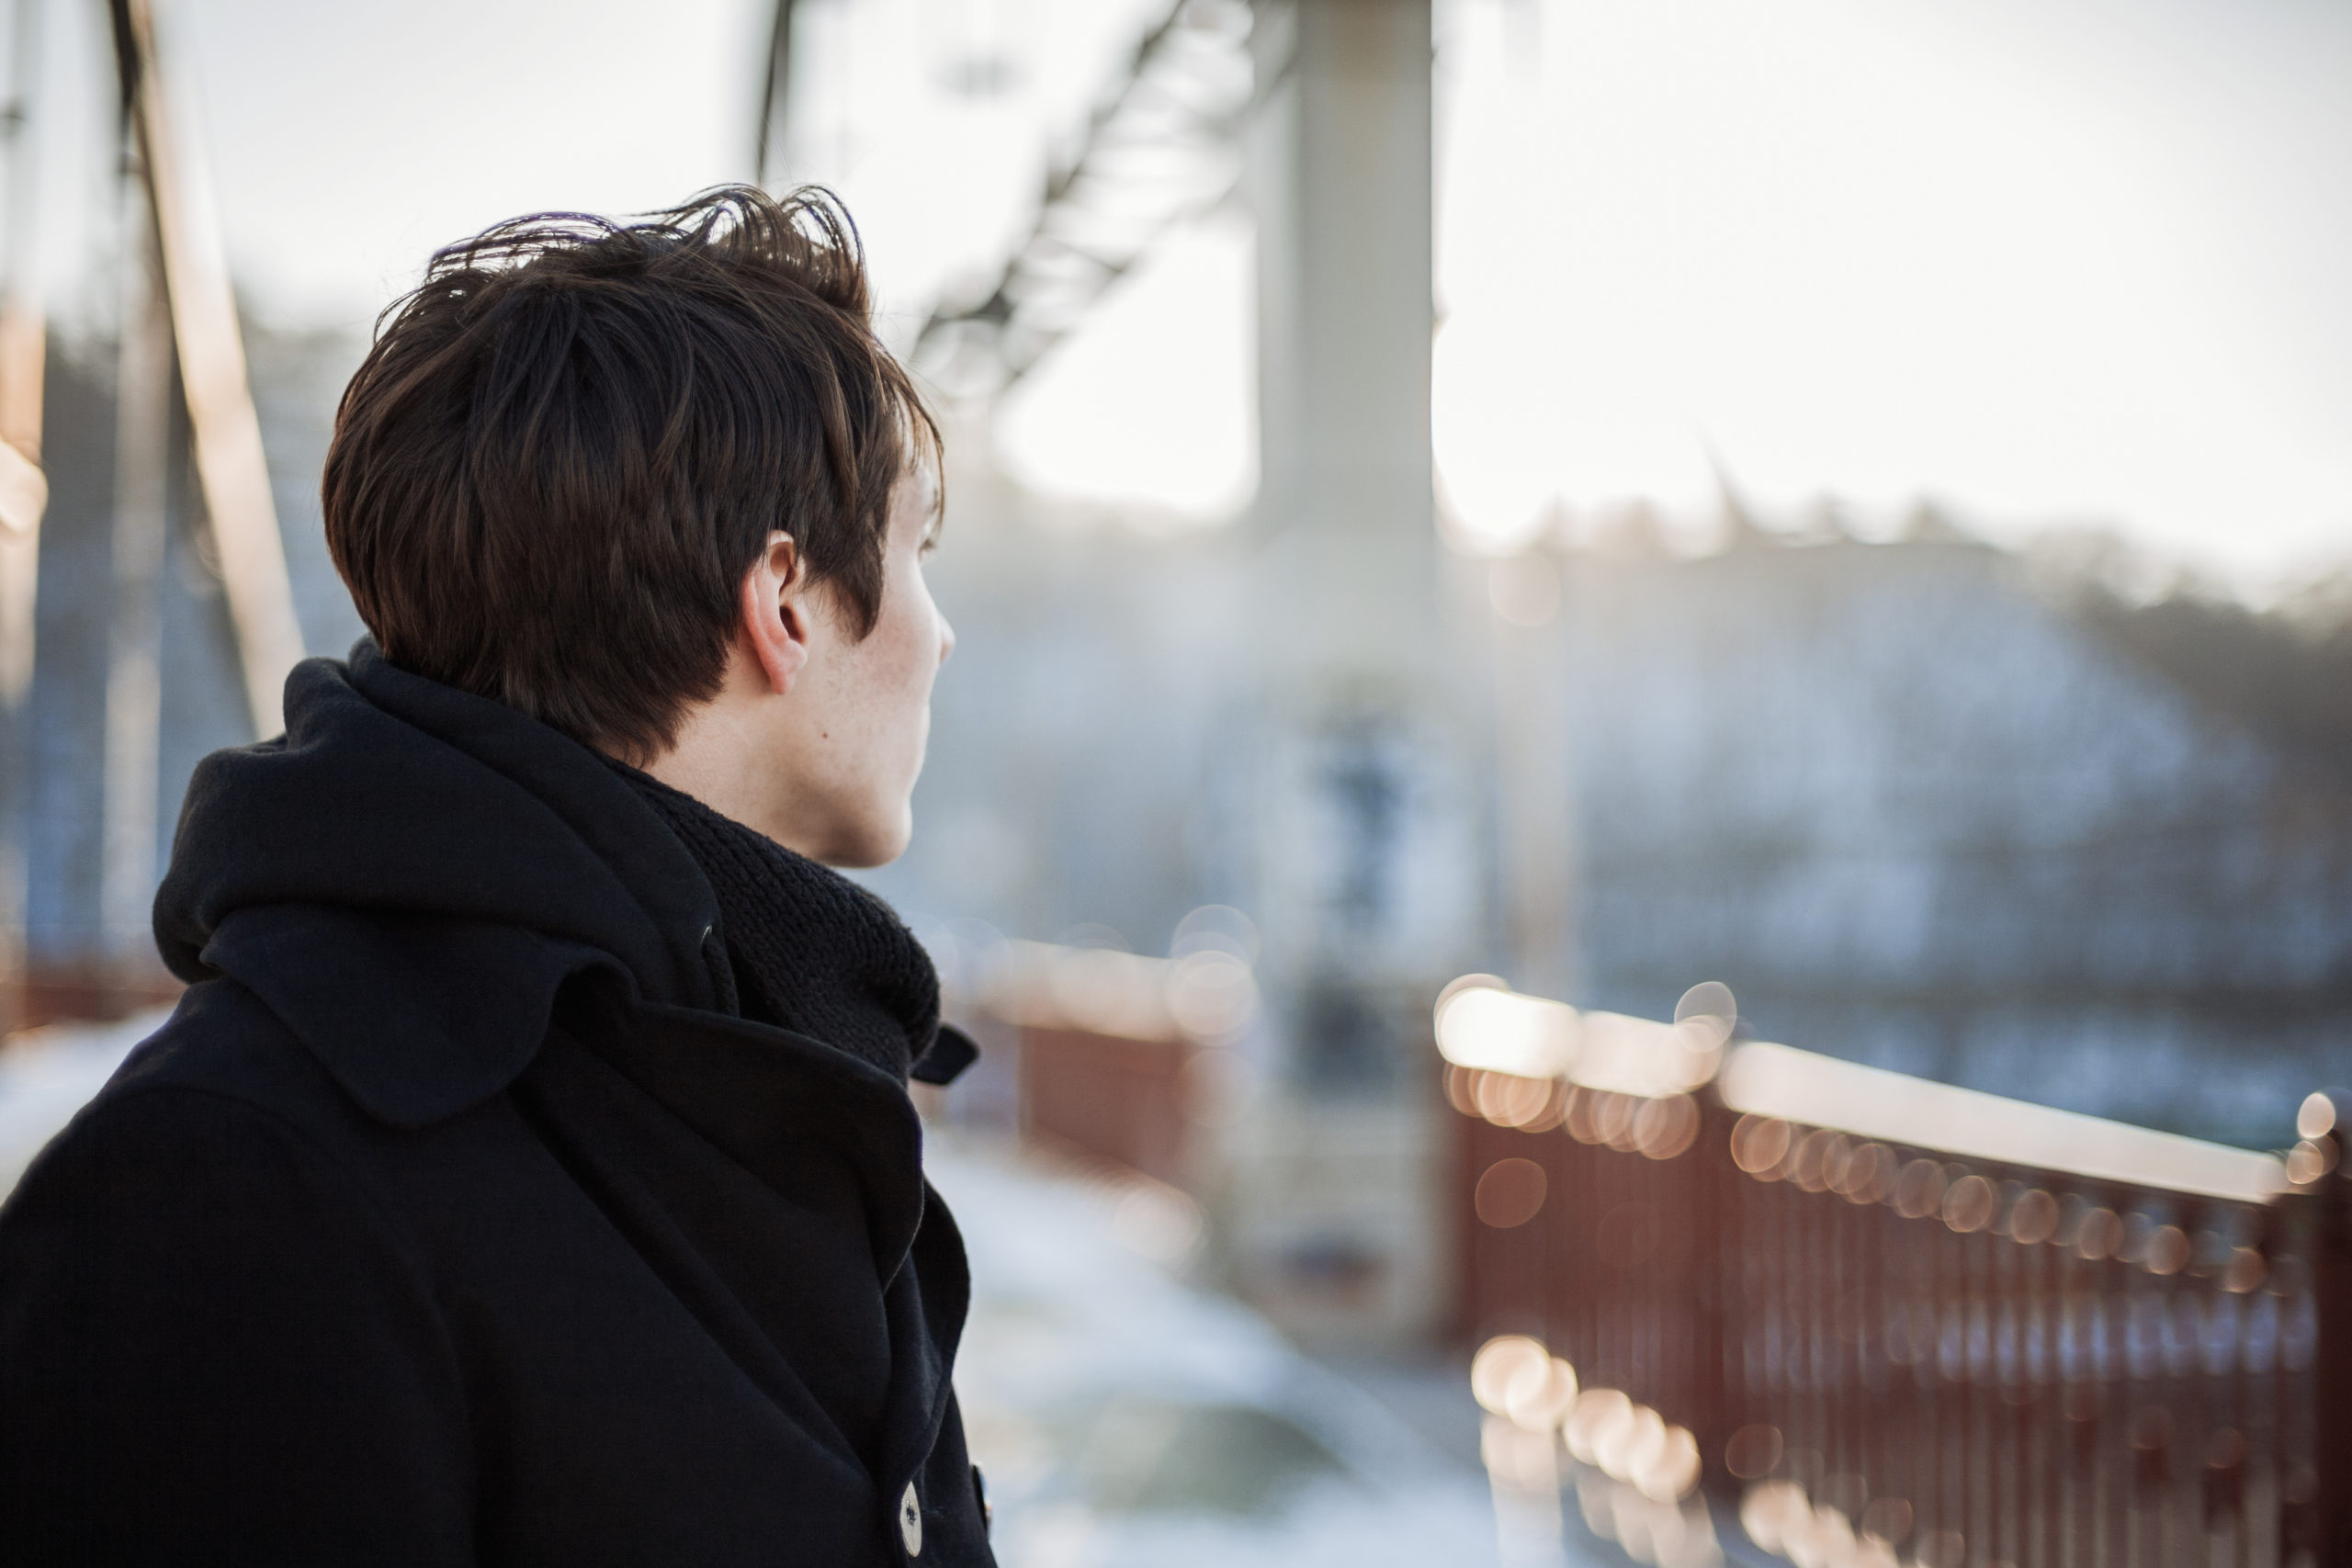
910,1521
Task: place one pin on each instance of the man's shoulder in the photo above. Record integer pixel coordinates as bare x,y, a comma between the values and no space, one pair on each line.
224,1098
222,1045
217,1138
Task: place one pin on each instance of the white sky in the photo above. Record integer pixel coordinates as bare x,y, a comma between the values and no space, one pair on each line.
2049,260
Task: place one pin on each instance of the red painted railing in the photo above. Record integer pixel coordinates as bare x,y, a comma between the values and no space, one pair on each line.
1875,1320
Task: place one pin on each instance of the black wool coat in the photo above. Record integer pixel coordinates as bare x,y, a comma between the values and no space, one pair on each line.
450,1221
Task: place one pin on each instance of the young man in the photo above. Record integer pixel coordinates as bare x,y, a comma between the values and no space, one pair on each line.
529,1176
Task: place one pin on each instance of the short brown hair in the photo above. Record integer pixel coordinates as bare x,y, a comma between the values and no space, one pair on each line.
569,445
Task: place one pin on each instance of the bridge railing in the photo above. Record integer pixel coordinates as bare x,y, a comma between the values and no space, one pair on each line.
1872,1320
1114,1058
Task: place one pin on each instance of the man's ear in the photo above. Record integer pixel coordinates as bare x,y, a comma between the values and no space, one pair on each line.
775,619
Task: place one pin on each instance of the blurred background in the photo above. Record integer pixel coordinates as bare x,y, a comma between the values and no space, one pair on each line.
1848,500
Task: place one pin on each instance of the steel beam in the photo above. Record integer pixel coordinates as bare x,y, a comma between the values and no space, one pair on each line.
231,471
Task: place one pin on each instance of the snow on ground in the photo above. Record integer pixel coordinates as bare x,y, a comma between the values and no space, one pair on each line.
1125,1417
47,1074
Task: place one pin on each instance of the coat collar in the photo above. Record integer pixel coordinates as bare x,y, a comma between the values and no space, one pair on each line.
768,1098
765,1097
420,1018
412,874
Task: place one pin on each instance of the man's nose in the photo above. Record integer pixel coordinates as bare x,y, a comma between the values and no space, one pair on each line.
946,640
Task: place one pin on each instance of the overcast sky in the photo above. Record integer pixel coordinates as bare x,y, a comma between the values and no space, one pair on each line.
2050,262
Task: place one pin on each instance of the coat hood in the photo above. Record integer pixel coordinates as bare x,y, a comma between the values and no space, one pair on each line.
409,873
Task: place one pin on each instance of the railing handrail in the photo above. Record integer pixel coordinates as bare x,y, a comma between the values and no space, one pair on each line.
1764,1080
1482,1023
1205,995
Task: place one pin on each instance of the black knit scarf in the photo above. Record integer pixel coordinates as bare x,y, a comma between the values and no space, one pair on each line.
810,950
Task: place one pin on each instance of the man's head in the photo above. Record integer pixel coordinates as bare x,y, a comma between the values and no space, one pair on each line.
660,487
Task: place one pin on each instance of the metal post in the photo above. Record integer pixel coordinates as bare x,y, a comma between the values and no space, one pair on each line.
224,430
1719,1248
776,98
1533,781
24,491
1368,890
2326,1123
135,653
